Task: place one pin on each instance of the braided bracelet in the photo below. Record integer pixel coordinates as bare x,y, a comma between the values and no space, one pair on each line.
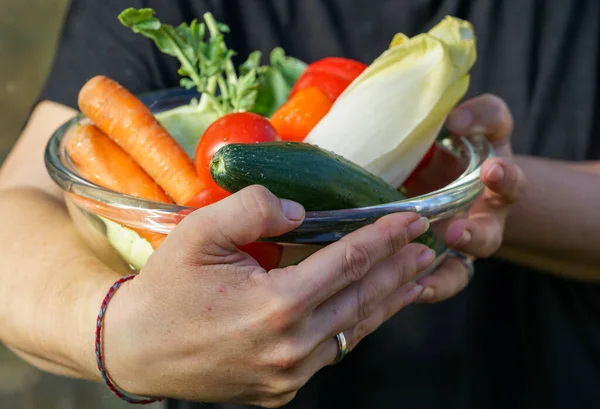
98,347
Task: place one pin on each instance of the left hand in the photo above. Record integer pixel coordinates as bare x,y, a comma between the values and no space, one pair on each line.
480,233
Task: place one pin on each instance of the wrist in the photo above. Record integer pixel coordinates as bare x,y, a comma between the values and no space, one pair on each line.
122,344
87,308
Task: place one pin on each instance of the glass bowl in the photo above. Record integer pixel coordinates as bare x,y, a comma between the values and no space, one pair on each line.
113,223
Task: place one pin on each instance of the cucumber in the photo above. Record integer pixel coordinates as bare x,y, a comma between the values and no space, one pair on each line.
307,174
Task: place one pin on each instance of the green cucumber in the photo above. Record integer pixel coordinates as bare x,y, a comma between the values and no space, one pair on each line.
307,174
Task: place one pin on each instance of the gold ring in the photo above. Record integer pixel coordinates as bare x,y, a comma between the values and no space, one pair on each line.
342,348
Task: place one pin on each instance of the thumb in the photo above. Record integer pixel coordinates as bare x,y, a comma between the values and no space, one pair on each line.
241,219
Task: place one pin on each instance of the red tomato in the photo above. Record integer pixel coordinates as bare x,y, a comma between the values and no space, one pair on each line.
340,67
239,127
208,196
268,255
330,84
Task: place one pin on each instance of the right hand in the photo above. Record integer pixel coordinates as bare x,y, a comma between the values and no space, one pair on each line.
204,322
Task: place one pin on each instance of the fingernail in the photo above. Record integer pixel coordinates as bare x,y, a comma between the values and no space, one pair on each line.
416,291
496,173
293,211
454,239
460,119
464,238
427,294
418,227
425,259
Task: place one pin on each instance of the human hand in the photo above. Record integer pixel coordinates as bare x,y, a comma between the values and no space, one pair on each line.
204,322
479,233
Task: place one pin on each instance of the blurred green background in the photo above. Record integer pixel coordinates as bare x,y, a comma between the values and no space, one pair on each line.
29,30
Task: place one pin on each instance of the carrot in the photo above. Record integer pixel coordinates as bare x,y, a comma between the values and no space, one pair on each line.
294,120
131,124
155,239
101,161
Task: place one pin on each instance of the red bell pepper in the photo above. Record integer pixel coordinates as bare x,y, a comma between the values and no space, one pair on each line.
331,75
423,164
345,68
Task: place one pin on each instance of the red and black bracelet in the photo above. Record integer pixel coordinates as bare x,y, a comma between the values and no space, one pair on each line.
98,348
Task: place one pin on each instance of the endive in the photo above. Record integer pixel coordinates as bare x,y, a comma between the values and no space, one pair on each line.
387,119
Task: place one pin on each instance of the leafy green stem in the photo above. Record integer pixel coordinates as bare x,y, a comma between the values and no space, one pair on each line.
218,108
212,25
214,31
223,89
189,67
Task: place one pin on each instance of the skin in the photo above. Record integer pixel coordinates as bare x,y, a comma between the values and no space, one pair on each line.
567,247
275,329
239,334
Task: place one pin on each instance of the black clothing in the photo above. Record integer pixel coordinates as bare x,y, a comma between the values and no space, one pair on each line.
515,338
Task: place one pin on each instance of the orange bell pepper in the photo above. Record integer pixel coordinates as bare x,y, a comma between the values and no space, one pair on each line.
294,120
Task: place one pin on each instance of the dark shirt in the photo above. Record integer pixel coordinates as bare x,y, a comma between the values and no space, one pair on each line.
515,338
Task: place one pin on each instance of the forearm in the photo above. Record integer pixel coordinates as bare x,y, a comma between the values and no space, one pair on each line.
555,227
24,166
51,285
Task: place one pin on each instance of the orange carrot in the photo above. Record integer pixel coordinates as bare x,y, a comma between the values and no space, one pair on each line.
155,239
131,124
294,120
101,161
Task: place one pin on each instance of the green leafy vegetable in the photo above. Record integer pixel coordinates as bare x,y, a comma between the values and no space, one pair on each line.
207,66
205,63
276,82
187,123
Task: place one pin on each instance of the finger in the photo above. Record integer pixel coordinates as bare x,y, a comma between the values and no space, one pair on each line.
338,265
359,300
241,219
326,353
486,114
505,180
447,281
480,235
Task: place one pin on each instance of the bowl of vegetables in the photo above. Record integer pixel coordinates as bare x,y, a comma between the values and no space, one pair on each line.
338,136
